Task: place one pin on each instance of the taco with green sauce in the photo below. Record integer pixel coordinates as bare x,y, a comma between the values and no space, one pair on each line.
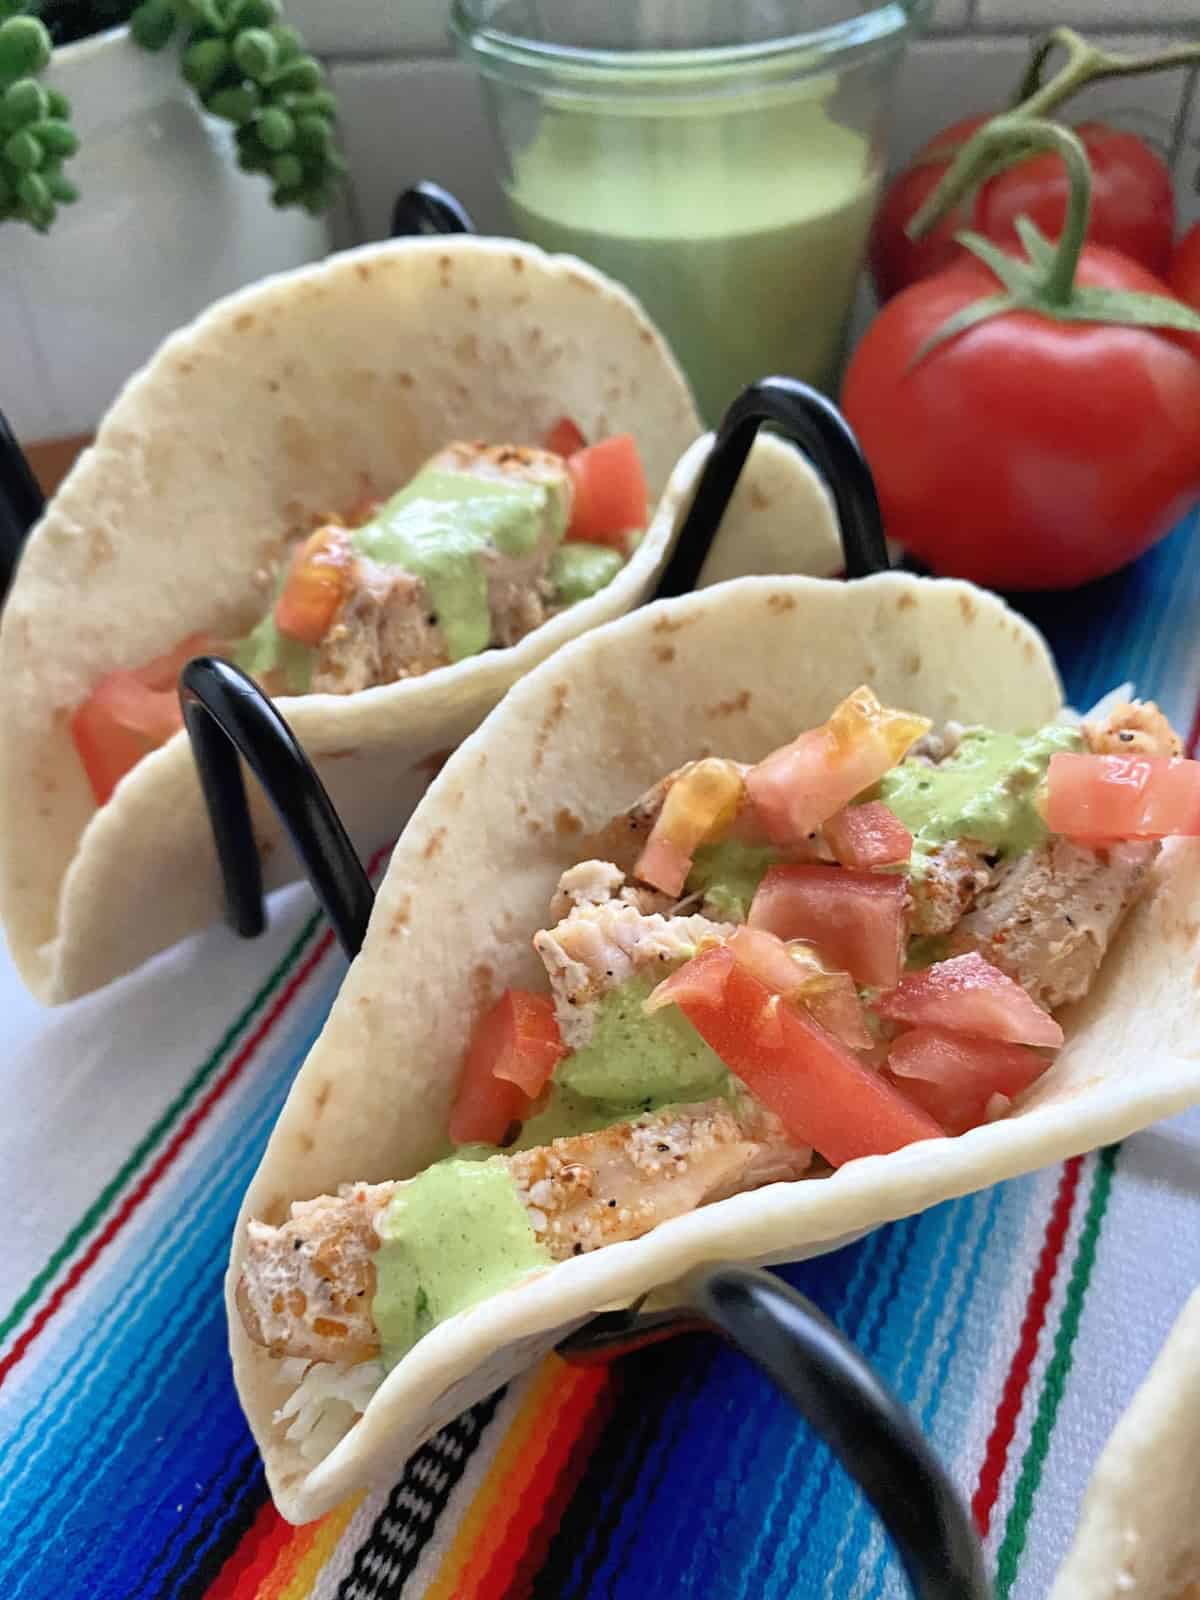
807,906
386,486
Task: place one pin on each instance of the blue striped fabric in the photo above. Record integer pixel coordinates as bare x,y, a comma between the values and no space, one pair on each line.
126,1462
125,1445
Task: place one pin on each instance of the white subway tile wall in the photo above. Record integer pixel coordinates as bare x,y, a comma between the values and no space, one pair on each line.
944,79
403,120
1088,13
950,14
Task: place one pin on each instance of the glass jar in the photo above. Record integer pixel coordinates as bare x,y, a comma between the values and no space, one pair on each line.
722,158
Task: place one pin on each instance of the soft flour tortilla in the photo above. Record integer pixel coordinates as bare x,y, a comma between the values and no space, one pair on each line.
1139,1531
736,670
283,402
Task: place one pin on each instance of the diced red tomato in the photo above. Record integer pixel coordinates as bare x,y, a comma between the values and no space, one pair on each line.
487,1105
797,788
1122,797
868,836
968,995
823,1096
857,920
530,1043
611,496
564,438
316,586
795,971
699,808
953,1078
701,978
129,714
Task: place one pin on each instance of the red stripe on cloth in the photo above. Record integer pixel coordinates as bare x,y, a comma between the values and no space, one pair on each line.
138,1194
570,1471
1009,1410
254,1557
493,1580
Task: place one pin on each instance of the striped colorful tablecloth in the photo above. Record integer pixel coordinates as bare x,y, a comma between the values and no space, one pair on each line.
1016,1323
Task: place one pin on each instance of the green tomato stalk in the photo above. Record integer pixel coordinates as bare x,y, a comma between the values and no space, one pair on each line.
1045,279
245,66
1084,63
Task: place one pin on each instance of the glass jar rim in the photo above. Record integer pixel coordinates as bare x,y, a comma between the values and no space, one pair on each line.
512,56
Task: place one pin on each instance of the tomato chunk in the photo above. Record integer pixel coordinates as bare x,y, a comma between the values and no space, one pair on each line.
530,1043
868,836
611,496
823,1096
700,808
316,585
857,920
968,995
487,1105
796,972
953,1078
798,787
1122,797
564,438
130,713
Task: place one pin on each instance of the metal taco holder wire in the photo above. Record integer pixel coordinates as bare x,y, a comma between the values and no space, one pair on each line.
228,717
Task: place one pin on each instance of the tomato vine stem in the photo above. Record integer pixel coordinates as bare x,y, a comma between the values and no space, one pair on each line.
1086,63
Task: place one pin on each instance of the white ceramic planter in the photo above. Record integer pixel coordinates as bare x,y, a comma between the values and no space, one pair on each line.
165,224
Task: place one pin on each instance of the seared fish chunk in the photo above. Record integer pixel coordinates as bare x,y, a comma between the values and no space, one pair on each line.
385,630
306,1287
595,883
1049,916
598,947
955,874
1137,728
621,1182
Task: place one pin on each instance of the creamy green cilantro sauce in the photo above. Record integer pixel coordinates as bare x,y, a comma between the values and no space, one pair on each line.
985,791
728,874
579,570
453,1236
635,1059
440,527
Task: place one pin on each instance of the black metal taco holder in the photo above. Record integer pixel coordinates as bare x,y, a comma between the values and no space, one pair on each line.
228,717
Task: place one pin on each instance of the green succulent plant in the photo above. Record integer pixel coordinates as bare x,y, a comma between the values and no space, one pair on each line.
240,58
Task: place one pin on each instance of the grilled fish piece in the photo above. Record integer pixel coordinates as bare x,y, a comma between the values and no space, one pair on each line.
598,947
1049,916
306,1286
1134,728
955,874
385,630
